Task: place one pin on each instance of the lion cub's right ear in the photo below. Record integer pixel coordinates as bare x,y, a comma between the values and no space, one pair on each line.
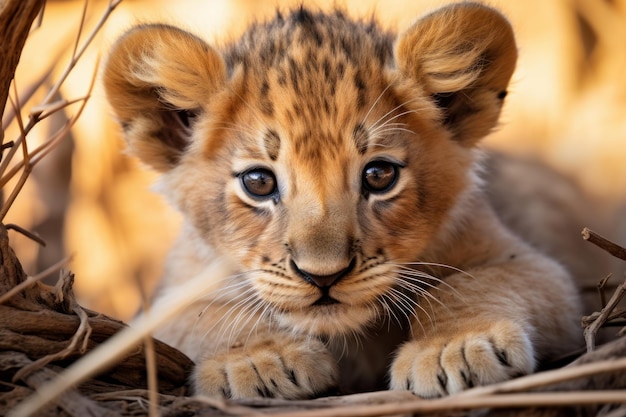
157,78
463,55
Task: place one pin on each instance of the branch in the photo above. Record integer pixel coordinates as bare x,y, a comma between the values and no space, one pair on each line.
16,18
591,330
603,243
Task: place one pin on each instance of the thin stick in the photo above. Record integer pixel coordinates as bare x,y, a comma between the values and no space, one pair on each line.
17,108
73,120
603,243
83,17
26,233
20,165
4,147
55,89
32,279
591,330
27,94
151,368
48,110
15,192
456,402
546,378
153,386
601,291
615,314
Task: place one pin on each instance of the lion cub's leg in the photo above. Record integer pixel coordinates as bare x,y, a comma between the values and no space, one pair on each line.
239,355
496,325
274,366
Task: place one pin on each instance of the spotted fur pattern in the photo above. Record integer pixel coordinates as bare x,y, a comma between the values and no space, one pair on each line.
333,166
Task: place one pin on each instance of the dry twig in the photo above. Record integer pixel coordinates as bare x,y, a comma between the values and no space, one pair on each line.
609,312
30,280
604,316
151,370
26,233
82,333
16,18
602,242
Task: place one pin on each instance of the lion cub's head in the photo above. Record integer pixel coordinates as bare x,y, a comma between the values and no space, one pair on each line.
318,153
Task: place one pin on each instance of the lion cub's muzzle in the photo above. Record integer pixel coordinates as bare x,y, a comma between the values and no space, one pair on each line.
324,282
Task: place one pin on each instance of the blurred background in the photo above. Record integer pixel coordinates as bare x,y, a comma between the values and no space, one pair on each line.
566,107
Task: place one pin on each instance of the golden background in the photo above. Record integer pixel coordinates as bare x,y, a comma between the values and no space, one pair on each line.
567,107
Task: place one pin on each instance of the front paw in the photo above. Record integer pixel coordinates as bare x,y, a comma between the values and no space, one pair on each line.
272,368
452,362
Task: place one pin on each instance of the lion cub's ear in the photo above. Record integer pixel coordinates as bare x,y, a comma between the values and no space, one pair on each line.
463,55
157,78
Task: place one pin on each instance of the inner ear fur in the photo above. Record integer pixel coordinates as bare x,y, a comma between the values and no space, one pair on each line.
463,55
156,78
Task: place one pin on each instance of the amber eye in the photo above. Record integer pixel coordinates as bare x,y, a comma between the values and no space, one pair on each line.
259,183
379,176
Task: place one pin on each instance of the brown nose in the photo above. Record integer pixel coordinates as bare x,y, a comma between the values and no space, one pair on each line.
323,281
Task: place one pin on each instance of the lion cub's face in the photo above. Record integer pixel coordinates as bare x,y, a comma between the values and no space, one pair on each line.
312,154
323,209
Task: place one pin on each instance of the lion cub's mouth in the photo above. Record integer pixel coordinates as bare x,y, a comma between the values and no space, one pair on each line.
325,300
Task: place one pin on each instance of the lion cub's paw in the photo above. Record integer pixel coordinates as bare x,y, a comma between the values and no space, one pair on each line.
446,365
280,368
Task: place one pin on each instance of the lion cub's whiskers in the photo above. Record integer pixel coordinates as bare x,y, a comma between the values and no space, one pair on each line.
382,93
231,293
235,320
404,303
407,268
439,265
422,283
383,121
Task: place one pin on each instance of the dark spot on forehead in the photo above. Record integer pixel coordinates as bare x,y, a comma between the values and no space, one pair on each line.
282,77
271,140
360,137
341,69
359,83
294,74
303,16
267,107
328,71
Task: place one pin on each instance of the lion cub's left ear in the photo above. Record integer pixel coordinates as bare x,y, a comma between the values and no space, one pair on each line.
463,55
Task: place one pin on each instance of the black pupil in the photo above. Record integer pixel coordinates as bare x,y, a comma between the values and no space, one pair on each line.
259,182
379,176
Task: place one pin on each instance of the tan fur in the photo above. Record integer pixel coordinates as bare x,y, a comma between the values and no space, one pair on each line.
334,283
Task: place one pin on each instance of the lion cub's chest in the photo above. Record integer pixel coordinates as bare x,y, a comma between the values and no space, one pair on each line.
364,361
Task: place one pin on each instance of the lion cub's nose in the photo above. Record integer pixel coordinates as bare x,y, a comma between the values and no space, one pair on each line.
323,281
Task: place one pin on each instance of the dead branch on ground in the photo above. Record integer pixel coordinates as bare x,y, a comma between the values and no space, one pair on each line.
610,315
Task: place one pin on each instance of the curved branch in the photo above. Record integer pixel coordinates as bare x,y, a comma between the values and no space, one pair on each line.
16,18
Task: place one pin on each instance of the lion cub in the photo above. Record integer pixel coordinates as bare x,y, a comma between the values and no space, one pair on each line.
334,167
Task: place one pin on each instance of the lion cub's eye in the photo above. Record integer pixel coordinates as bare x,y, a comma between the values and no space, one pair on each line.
379,176
259,183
